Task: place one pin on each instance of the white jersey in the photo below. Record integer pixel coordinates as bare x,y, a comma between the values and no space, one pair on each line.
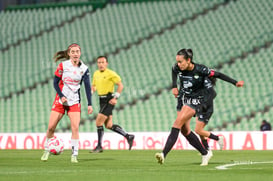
71,78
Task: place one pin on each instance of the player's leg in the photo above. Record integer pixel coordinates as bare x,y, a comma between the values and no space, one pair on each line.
101,118
199,129
195,142
118,129
185,114
54,119
75,118
192,138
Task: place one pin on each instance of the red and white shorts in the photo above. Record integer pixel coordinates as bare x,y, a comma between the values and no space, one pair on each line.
58,107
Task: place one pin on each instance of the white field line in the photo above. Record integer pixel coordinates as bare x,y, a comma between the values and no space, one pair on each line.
226,166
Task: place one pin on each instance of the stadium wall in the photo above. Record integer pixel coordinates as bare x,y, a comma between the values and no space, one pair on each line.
245,140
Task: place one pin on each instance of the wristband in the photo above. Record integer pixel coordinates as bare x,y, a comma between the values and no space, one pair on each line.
116,95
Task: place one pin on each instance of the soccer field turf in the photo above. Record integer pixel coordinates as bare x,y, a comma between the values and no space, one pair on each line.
136,165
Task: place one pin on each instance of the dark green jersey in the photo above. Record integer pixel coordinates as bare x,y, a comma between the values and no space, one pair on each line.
192,83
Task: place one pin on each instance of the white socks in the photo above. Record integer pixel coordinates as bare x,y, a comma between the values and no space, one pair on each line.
45,145
75,147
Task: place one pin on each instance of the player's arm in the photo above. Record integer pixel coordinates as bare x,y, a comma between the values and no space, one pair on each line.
87,87
119,89
226,78
56,86
174,82
113,101
57,79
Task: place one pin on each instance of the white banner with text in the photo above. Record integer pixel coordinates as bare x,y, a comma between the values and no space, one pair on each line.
143,141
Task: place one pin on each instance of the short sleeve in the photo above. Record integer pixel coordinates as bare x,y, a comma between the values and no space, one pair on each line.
59,70
115,77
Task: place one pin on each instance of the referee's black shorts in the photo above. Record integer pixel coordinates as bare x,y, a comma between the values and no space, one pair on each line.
105,107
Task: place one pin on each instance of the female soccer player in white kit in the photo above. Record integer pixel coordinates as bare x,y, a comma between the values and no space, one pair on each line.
67,81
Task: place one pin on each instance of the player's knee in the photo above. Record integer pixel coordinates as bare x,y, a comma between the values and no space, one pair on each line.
74,128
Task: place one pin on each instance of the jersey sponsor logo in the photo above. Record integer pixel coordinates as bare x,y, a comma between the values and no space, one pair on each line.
69,80
191,101
195,101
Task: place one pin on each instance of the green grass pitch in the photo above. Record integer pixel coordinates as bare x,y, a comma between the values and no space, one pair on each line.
139,165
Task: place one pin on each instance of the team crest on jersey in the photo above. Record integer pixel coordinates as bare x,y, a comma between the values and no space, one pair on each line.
196,76
60,72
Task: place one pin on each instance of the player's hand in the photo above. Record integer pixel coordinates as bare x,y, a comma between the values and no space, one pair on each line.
175,92
89,109
64,99
113,101
240,83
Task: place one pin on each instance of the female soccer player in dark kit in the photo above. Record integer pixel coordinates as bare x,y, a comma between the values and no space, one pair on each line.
194,96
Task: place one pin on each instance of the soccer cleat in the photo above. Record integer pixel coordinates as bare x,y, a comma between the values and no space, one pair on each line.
206,158
130,140
221,142
74,159
45,156
98,149
160,158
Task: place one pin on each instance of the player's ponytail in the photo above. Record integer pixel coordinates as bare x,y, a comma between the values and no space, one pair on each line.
61,55
187,53
64,53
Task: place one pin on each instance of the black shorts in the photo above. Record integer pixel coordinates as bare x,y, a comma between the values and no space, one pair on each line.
204,109
105,107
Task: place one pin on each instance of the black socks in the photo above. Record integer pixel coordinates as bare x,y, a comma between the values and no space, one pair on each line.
171,141
214,137
194,141
116,128
100,131
205,144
